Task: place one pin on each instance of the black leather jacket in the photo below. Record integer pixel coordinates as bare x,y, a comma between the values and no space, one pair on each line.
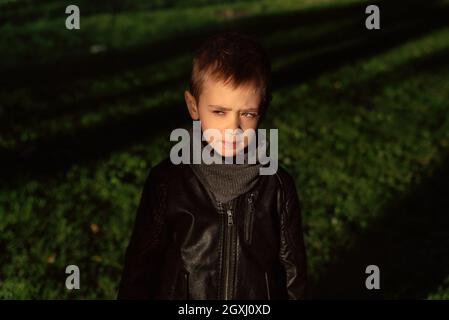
187,246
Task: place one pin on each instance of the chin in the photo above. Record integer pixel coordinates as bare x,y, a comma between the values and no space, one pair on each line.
225,150
230,151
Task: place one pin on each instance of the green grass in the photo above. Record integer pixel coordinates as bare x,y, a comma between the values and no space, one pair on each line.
362,120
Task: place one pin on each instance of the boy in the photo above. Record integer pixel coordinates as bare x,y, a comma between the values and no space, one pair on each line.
219,231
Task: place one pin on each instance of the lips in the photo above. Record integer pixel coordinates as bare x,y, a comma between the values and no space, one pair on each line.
229,144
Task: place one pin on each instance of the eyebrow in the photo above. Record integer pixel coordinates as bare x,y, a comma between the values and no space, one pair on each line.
251,110
221,108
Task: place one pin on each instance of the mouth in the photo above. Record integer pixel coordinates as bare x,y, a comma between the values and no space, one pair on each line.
229,144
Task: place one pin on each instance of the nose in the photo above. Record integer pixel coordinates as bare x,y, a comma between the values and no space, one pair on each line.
234,123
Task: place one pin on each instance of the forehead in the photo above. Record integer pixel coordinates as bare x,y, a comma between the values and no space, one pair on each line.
218,92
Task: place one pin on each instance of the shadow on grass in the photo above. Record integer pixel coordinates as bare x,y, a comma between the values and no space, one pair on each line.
338,47
409,244
115,61
58,152
17,13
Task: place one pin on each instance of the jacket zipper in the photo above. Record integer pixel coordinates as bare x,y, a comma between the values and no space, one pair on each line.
267,284
249,219
228,261
186,285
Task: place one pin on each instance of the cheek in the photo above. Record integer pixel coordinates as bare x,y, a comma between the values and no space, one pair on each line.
210,120
205,118
249,123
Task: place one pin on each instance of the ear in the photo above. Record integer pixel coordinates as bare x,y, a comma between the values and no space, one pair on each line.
192,106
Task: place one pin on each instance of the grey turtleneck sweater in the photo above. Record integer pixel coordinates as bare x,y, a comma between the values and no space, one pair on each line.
227,181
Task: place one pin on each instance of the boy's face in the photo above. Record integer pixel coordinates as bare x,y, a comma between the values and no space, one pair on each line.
223,107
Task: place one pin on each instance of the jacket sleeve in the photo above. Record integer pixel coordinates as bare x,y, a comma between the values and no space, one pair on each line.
292,252
143,255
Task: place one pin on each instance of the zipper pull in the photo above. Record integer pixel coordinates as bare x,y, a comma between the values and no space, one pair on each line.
230,220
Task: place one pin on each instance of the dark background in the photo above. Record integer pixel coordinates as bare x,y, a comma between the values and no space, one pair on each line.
362,116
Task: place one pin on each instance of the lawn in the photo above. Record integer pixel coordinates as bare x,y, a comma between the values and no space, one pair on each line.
363,119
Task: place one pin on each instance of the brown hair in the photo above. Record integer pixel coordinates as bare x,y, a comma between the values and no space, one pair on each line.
235,58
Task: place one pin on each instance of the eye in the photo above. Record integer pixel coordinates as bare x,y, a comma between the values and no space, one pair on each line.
249,115
218,112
